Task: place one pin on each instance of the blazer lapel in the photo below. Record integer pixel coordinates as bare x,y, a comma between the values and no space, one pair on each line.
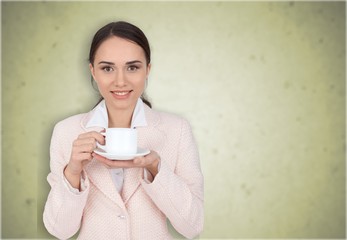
149,137
100,176
132,178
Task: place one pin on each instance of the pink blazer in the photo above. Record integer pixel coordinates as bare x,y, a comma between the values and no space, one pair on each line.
141,210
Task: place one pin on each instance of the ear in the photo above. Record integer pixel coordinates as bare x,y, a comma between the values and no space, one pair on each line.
92,70
148,70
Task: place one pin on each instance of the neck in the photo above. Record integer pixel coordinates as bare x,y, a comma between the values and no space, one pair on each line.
120,118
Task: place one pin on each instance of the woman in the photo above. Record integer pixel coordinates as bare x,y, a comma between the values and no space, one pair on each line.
113,199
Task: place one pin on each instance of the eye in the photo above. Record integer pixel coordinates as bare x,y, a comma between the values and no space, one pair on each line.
132,68
107,69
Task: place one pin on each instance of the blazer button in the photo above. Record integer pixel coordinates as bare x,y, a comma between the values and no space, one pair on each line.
121,216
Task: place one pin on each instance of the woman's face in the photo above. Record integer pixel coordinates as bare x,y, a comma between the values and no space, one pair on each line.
120,71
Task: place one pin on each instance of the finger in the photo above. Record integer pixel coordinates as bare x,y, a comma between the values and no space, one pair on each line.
114,163
86,135
122,164
82,156
82,141
140,161
100,138
84,145
88,148
98,157
149,158
95,135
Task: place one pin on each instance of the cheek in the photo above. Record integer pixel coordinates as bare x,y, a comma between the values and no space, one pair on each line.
141,83
103,79
102,84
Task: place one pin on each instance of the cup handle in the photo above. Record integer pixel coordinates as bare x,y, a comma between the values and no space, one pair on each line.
98,145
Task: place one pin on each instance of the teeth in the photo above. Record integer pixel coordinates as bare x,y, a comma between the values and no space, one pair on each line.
120,93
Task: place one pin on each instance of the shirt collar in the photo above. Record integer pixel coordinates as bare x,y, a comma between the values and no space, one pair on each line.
99,117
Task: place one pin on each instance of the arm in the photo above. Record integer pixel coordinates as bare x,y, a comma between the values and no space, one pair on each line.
179,194
64,209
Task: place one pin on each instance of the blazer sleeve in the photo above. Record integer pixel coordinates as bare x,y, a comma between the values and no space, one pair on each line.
64,209
179,193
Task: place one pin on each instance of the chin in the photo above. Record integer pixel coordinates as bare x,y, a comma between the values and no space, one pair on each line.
122,105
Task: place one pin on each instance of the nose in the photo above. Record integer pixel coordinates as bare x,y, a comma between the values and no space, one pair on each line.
120,80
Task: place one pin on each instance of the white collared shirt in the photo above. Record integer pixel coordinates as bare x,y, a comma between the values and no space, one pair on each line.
100,116
100,119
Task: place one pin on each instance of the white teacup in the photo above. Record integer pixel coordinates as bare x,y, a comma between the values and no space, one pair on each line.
122,141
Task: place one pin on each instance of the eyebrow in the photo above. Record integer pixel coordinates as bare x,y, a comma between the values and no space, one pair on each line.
132,62
127,63
105,62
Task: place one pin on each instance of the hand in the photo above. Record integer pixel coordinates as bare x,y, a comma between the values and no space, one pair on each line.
150,162
81,154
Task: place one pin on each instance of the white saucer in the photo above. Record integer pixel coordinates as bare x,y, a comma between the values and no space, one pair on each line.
112,156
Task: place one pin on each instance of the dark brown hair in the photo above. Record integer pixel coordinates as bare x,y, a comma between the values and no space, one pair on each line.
123,30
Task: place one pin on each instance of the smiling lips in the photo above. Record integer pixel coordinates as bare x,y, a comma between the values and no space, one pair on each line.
121,94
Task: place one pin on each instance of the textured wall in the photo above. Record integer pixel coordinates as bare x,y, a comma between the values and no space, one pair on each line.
263,85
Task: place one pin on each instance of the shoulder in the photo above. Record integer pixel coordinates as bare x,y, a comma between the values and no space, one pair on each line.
161,117
169,118
71,122
69,128
165,119
64,132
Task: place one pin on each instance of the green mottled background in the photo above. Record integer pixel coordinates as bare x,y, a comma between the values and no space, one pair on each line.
262,83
